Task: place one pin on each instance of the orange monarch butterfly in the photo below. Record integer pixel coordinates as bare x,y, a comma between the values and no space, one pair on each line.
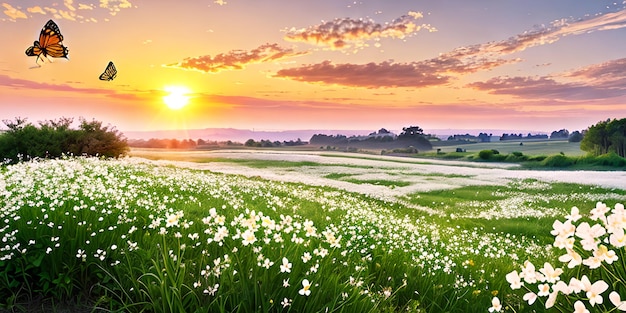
49,43
109,73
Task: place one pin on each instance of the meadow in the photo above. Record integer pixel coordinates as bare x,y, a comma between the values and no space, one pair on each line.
136,235
528,147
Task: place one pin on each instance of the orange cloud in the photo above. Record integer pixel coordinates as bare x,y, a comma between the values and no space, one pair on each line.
371,75
598,81
433,72
459,61
12,12
36,9
341,33
236,59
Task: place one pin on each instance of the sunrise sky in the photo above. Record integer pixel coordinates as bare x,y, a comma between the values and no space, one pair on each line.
324,64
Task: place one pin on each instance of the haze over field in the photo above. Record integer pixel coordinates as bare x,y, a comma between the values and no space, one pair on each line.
328,64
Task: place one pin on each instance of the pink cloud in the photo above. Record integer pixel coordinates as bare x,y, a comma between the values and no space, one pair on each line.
433,72
17,83
598,81
341,33
236,59
371,75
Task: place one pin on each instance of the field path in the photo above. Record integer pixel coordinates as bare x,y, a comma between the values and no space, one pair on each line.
420,174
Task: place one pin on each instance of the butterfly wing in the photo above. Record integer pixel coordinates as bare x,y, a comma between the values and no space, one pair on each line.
50,34
50,40
109,73
50,43
33,50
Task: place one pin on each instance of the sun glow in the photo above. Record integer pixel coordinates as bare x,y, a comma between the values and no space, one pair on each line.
177,97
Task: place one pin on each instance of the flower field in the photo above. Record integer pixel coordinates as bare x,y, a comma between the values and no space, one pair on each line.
127,235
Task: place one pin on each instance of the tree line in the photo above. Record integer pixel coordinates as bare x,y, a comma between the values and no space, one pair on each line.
55,138
607,136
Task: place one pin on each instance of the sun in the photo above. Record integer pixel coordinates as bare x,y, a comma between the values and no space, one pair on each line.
177,97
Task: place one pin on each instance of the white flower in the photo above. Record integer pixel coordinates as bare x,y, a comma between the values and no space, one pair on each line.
592,262
574,215
551,274
551,299
267,263
496,306
606,255
579,307
562,287
594,291
544,290
599,212
306,288
530,297
514,279
81,255
572,257
171,220
212,290
528,272
285,303
286,266
617,301
618,238
248,237
563,229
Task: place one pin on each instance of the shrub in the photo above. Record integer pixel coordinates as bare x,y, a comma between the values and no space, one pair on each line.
52,139
610,159
558,160
537,158
485,154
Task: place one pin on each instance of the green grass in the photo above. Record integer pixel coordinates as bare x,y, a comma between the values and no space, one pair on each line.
121,235
526,207
380,182
529,147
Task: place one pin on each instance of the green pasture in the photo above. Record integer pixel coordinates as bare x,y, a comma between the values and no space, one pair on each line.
86,234
527,147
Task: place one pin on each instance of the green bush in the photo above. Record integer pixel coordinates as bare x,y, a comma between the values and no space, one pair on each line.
610,159
537,158
485,154
558,160
53,138
516,156
488,154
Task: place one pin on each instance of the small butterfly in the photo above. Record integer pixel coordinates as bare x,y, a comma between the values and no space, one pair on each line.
109,73
49,43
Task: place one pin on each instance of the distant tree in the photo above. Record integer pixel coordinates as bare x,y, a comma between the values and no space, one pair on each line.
411,131
95,139
561,134
604,137
414,136
575,136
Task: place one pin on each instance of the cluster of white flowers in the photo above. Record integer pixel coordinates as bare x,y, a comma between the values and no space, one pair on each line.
594,247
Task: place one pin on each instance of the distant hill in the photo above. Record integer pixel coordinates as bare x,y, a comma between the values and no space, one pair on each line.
241,135
238,135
